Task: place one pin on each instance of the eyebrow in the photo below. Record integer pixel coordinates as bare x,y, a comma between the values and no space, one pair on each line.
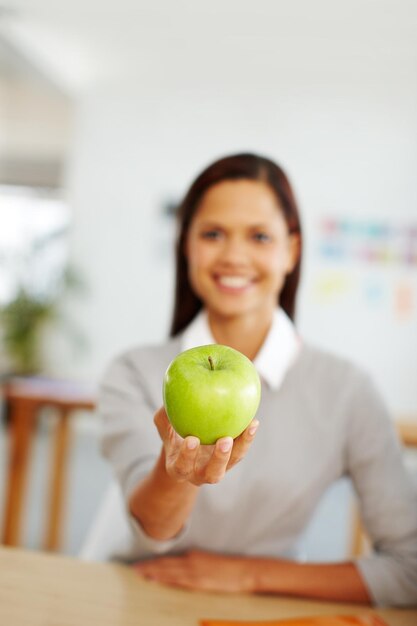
209,224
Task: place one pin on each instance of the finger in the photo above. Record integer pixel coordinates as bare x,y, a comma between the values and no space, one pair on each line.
181,466
165,430
152,571
165,570
172,578
243,443
213,471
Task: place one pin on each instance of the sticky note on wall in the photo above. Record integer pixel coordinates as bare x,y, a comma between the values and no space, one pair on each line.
404,301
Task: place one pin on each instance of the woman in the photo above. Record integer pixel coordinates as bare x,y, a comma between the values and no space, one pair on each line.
226,526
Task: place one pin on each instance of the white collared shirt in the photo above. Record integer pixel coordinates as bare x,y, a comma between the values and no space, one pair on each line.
277,353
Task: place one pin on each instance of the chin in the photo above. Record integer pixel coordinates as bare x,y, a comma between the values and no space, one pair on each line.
232,310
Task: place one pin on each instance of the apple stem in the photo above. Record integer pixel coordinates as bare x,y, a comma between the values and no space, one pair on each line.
210,360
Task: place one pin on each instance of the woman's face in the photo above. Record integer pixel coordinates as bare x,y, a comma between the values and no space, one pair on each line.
239,250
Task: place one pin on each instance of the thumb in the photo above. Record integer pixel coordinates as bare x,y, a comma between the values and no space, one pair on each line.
165,430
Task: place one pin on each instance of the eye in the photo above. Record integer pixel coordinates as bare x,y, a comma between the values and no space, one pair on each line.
211,234
261,237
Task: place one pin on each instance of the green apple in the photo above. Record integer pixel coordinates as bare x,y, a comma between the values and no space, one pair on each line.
211,392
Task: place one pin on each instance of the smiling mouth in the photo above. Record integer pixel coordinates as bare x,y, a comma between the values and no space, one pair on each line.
234,282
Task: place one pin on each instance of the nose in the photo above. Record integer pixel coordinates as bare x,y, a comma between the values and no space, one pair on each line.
234,251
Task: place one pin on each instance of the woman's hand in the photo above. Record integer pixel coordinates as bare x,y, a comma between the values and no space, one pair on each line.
163,500
206,571
202,571
188,460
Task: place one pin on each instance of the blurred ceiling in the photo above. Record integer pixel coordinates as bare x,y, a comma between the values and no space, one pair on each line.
35,122
82,43
54,51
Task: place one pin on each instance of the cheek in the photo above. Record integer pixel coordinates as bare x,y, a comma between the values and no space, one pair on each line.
200,257
274,262
274,267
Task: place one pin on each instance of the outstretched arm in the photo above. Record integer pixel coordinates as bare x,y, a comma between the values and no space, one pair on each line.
163,501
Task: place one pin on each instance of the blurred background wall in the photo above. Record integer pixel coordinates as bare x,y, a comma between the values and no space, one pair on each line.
123,103
158,91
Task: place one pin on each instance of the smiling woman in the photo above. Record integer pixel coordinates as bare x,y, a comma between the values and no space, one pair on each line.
239,252
254,196
228,517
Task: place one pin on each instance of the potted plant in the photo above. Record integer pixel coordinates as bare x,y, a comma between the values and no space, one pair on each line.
35,305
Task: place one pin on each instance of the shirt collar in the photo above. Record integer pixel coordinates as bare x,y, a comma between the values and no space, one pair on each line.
277,353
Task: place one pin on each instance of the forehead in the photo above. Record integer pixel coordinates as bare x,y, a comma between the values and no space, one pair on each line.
245,200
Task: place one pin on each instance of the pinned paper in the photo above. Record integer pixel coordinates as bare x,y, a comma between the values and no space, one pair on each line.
373,242
403,301
331,285
374,292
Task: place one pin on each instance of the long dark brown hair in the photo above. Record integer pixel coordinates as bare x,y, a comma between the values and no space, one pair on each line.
240,166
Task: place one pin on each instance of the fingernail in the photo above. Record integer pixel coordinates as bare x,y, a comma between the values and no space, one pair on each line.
252,430
192,443
225,446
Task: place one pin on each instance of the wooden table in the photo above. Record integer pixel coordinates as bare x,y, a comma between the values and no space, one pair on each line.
40,589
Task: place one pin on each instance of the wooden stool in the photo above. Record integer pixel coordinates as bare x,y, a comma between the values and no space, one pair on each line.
24,397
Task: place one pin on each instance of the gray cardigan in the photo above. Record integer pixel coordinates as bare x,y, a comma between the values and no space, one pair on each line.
325,421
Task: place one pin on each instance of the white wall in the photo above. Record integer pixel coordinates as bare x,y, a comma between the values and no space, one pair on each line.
339,116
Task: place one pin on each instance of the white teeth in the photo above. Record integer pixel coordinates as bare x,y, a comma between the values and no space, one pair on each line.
233,281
